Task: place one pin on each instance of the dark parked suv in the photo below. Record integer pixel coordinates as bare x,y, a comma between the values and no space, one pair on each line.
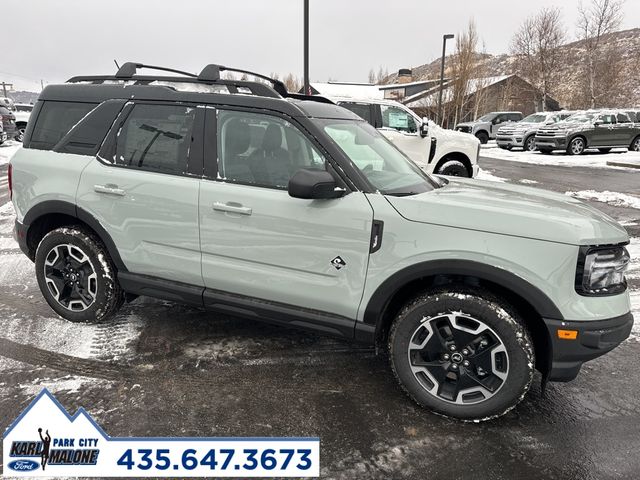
603,130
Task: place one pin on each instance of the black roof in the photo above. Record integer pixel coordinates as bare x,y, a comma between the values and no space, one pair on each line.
205,88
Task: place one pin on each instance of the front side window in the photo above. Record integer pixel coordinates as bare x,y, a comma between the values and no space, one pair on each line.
398,119
55,120
607,119
156,138
262,150
386,168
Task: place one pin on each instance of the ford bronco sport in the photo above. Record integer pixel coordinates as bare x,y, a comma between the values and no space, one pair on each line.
242,198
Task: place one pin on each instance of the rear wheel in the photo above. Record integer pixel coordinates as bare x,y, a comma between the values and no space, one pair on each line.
577,146
453,168
483,137
530,144
20,133
76,275
635,145
462,353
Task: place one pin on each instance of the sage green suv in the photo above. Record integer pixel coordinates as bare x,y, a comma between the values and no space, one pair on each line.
242,198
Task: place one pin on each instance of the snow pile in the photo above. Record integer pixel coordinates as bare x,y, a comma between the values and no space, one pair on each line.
615,199
593,159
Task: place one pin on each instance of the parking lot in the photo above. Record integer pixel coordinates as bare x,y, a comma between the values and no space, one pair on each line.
163,369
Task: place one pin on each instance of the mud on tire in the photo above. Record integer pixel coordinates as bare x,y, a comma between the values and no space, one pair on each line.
76,275
497,367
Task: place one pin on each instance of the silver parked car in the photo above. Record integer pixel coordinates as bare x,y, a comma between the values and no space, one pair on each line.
523,133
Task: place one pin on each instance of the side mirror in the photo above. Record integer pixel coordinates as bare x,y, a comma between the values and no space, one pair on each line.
597,123
424,129
313,184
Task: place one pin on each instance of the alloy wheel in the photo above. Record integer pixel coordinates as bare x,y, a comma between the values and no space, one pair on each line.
70,277
458,358
636,145
530,145
577,146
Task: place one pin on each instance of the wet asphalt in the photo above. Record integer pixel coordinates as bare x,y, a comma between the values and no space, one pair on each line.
163,369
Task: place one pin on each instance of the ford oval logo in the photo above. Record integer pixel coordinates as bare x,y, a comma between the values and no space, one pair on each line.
23,465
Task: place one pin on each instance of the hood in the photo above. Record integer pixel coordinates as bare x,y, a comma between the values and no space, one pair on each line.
466,124
524,125
511,210
567,126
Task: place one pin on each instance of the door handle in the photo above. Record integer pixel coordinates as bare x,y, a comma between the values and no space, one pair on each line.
109,189
232,207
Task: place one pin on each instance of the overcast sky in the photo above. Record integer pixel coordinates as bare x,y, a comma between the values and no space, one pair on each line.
56,39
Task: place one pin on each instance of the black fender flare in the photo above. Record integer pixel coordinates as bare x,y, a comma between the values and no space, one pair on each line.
510,281
66,208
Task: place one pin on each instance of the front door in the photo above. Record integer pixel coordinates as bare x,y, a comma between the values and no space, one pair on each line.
402,130
260,243
604,134
140,191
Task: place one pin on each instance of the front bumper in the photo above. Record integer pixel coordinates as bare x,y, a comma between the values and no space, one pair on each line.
509,141
593,340
551,143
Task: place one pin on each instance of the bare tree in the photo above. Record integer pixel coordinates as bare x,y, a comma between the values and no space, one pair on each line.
536,46
292,83
464,68
596,20
372,76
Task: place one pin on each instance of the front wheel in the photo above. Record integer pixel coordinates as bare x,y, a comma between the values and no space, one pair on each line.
530,144
577,146
453,168
462,353
76,275
483,137
20,134
635,145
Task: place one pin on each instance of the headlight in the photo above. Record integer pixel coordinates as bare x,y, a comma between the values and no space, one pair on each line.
601,270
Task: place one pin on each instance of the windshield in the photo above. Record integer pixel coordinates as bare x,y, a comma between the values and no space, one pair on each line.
581,117
535,118
386,168
487,118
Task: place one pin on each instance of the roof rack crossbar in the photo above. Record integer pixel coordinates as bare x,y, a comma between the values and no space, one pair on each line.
129,69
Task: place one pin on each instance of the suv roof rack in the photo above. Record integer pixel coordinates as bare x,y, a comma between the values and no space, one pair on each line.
210,74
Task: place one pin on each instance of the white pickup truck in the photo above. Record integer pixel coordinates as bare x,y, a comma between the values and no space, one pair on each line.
432,148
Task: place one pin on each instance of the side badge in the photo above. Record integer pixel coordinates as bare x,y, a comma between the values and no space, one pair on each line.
338,263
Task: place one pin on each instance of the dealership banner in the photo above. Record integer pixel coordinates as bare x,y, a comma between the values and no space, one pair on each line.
46,441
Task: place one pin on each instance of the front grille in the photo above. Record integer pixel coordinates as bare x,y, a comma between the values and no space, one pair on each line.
547,132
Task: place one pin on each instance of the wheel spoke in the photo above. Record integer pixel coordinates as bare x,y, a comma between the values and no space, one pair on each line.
70,277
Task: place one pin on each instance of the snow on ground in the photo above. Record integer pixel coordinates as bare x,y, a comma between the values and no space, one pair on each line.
484,175
7,150
615,199
592,158
633,274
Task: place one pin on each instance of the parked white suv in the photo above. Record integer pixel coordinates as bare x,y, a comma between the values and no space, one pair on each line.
432,148
22,112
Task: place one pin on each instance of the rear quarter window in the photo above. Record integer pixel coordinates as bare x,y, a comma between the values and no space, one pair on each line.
54,122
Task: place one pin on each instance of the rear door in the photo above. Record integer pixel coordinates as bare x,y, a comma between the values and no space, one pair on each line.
625,131
604,134
143,191
260,243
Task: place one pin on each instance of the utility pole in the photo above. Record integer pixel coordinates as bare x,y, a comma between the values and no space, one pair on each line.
307,87
4,88
444,52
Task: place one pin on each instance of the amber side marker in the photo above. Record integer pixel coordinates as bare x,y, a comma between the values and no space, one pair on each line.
567,334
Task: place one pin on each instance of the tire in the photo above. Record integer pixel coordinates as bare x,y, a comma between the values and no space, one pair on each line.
76,275
505,367
604,150
529,144
20,135
483,137
577,146
635,145
453,168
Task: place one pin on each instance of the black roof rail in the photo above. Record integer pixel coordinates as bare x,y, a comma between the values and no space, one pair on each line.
210,74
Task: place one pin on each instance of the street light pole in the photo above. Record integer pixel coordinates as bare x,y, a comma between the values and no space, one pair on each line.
307,88
444,51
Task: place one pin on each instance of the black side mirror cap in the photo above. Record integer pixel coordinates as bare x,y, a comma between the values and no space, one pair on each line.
424,130
314,184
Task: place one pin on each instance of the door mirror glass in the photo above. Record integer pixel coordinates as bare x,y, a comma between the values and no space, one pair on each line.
313,184
424,129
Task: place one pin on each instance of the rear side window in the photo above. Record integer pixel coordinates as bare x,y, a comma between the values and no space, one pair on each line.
360,109
54,122
623,118
156,138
